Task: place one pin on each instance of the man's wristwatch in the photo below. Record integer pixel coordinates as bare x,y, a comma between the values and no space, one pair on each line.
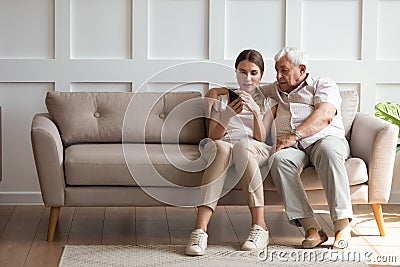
296,132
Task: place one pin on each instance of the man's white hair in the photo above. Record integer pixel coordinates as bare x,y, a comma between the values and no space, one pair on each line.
296,55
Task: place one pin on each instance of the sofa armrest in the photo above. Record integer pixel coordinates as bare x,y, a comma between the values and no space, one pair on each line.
374,140
48,152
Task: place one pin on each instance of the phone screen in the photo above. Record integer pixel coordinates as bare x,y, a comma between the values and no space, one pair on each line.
232,95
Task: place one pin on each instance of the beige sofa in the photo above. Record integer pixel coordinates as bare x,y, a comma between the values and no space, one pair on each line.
142,149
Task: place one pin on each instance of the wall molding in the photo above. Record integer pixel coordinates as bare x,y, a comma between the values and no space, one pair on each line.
394,198
21,198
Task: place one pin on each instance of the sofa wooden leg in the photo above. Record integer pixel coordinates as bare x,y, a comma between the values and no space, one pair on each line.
54,213
377,209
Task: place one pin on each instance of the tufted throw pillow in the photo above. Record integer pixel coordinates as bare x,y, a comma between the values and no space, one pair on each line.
349,109
88,116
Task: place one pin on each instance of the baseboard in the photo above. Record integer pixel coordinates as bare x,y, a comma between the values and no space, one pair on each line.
21,198
35,198
394,198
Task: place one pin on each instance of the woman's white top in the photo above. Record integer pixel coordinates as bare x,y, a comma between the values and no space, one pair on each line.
241,126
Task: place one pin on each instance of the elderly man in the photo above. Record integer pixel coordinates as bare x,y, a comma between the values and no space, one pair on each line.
309,131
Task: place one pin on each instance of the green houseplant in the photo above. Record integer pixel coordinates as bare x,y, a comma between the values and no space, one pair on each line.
389,112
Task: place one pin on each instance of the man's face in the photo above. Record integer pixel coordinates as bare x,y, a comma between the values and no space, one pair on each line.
288,75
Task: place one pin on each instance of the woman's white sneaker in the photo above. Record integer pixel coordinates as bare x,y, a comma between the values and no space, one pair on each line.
258,239
197,243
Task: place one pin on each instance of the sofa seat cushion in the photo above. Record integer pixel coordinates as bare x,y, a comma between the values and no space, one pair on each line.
104,164
355,167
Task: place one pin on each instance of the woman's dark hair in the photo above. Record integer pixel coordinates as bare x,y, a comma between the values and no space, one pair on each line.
251,55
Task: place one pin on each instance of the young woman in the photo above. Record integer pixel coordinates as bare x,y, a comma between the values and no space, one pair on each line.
237,132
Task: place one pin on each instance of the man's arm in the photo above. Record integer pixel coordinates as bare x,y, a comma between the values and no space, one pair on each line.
267,90
318,120
327,101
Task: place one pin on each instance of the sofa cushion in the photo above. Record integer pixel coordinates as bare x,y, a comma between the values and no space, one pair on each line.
173,117
104,164
99,117
88,117
355,167
349,109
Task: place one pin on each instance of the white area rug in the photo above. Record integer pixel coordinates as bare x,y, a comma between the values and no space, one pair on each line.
216,255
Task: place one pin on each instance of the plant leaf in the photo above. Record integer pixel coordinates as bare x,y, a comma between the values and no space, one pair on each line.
389,112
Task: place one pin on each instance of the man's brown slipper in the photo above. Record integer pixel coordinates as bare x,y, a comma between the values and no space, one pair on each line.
314,238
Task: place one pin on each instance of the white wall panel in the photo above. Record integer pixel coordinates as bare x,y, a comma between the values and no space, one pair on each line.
331,29
388,93
27,29
388,30
174,87
19,102
101,29
178,29
257,24
100,87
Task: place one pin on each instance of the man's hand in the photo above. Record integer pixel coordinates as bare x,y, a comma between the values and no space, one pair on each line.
285,141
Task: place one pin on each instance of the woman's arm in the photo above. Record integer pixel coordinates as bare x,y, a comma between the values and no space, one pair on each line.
210,99
259,132
268,119
261,122
219,120
215,92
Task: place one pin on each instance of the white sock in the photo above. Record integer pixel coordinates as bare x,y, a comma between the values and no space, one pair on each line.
310,222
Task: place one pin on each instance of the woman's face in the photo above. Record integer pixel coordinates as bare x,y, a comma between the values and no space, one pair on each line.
248,76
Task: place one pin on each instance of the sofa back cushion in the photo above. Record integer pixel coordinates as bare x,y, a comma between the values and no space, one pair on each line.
349,109
113,117
104,117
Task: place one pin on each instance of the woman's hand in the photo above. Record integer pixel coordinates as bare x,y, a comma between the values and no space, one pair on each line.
249,102
234,107
219,119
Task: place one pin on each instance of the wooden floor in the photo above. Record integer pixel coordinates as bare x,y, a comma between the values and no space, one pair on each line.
23,230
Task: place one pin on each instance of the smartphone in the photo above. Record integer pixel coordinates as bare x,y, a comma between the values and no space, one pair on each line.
232,95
